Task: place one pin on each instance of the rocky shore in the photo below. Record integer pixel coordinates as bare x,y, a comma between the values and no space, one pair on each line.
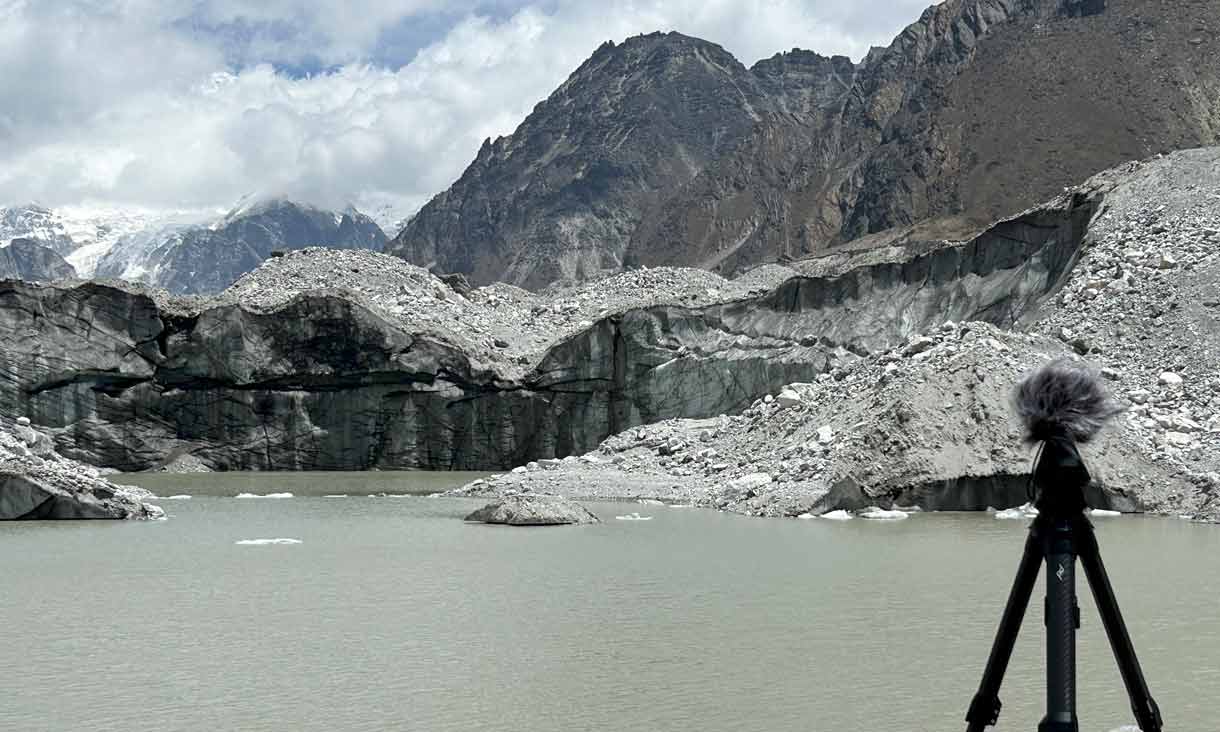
926,425
37,483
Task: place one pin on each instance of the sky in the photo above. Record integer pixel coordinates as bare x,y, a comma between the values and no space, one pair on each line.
198,103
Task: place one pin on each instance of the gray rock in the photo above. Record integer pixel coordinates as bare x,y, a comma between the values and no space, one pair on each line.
29,498
788,398
36,483
918,346
533,510
27,259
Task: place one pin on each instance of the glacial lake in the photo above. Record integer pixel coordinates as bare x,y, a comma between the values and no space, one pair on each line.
393,614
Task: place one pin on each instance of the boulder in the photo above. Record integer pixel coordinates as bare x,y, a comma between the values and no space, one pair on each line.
26,497
38,483
533,510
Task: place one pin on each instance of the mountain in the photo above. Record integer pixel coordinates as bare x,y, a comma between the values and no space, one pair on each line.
27,259
82,234
666,150
561,197
203,259
36,223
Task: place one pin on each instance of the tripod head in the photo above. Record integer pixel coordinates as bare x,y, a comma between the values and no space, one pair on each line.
1062,404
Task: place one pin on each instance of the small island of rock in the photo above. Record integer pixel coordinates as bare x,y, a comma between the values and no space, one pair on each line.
533,509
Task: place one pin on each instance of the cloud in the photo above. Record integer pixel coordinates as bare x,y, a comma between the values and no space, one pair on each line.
195,103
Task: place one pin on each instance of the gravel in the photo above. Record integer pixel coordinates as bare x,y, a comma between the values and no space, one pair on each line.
1144,303
933,411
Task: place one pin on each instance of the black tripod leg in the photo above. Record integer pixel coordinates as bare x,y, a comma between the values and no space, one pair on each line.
985,707
1147,714
1062,620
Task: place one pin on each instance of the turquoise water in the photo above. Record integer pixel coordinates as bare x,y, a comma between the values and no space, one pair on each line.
393,614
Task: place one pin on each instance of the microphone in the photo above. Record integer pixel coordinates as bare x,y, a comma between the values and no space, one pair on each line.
1062,404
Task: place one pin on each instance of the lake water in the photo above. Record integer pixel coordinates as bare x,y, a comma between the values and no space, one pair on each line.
393,614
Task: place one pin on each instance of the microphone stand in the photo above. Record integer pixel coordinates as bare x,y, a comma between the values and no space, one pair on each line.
1059,535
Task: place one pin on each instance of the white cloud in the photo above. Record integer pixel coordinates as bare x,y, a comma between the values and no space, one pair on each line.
162,102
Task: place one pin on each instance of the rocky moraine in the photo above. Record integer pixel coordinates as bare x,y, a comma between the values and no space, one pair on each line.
786,383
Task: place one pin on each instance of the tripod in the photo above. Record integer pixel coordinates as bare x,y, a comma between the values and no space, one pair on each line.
1059,536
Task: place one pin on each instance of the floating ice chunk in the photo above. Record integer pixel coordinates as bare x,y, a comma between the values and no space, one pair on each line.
881,514
634,516
170,498
806,516
268,495
1020,512
267,542
650,502
335,495
839,515
1103,513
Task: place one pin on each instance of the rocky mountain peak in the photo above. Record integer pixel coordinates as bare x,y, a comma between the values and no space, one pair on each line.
665,150
557,200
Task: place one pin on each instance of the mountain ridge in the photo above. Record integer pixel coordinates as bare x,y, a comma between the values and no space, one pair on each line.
816,152
183,251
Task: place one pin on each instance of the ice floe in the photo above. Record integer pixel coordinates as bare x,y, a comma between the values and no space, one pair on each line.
266,495
267,542
634,516
1103,513
1020,512
839,515
881,514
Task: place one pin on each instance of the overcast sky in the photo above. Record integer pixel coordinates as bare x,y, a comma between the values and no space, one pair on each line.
195,103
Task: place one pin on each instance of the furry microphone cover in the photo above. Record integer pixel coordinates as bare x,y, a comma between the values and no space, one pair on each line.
1063,399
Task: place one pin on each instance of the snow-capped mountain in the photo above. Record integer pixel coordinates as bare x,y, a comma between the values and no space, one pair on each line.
36,223
83,234
186,251
205,258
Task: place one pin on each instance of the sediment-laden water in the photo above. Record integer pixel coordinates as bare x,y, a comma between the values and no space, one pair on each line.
389,613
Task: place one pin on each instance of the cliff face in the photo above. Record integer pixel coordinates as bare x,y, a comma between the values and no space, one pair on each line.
328,380
979,109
